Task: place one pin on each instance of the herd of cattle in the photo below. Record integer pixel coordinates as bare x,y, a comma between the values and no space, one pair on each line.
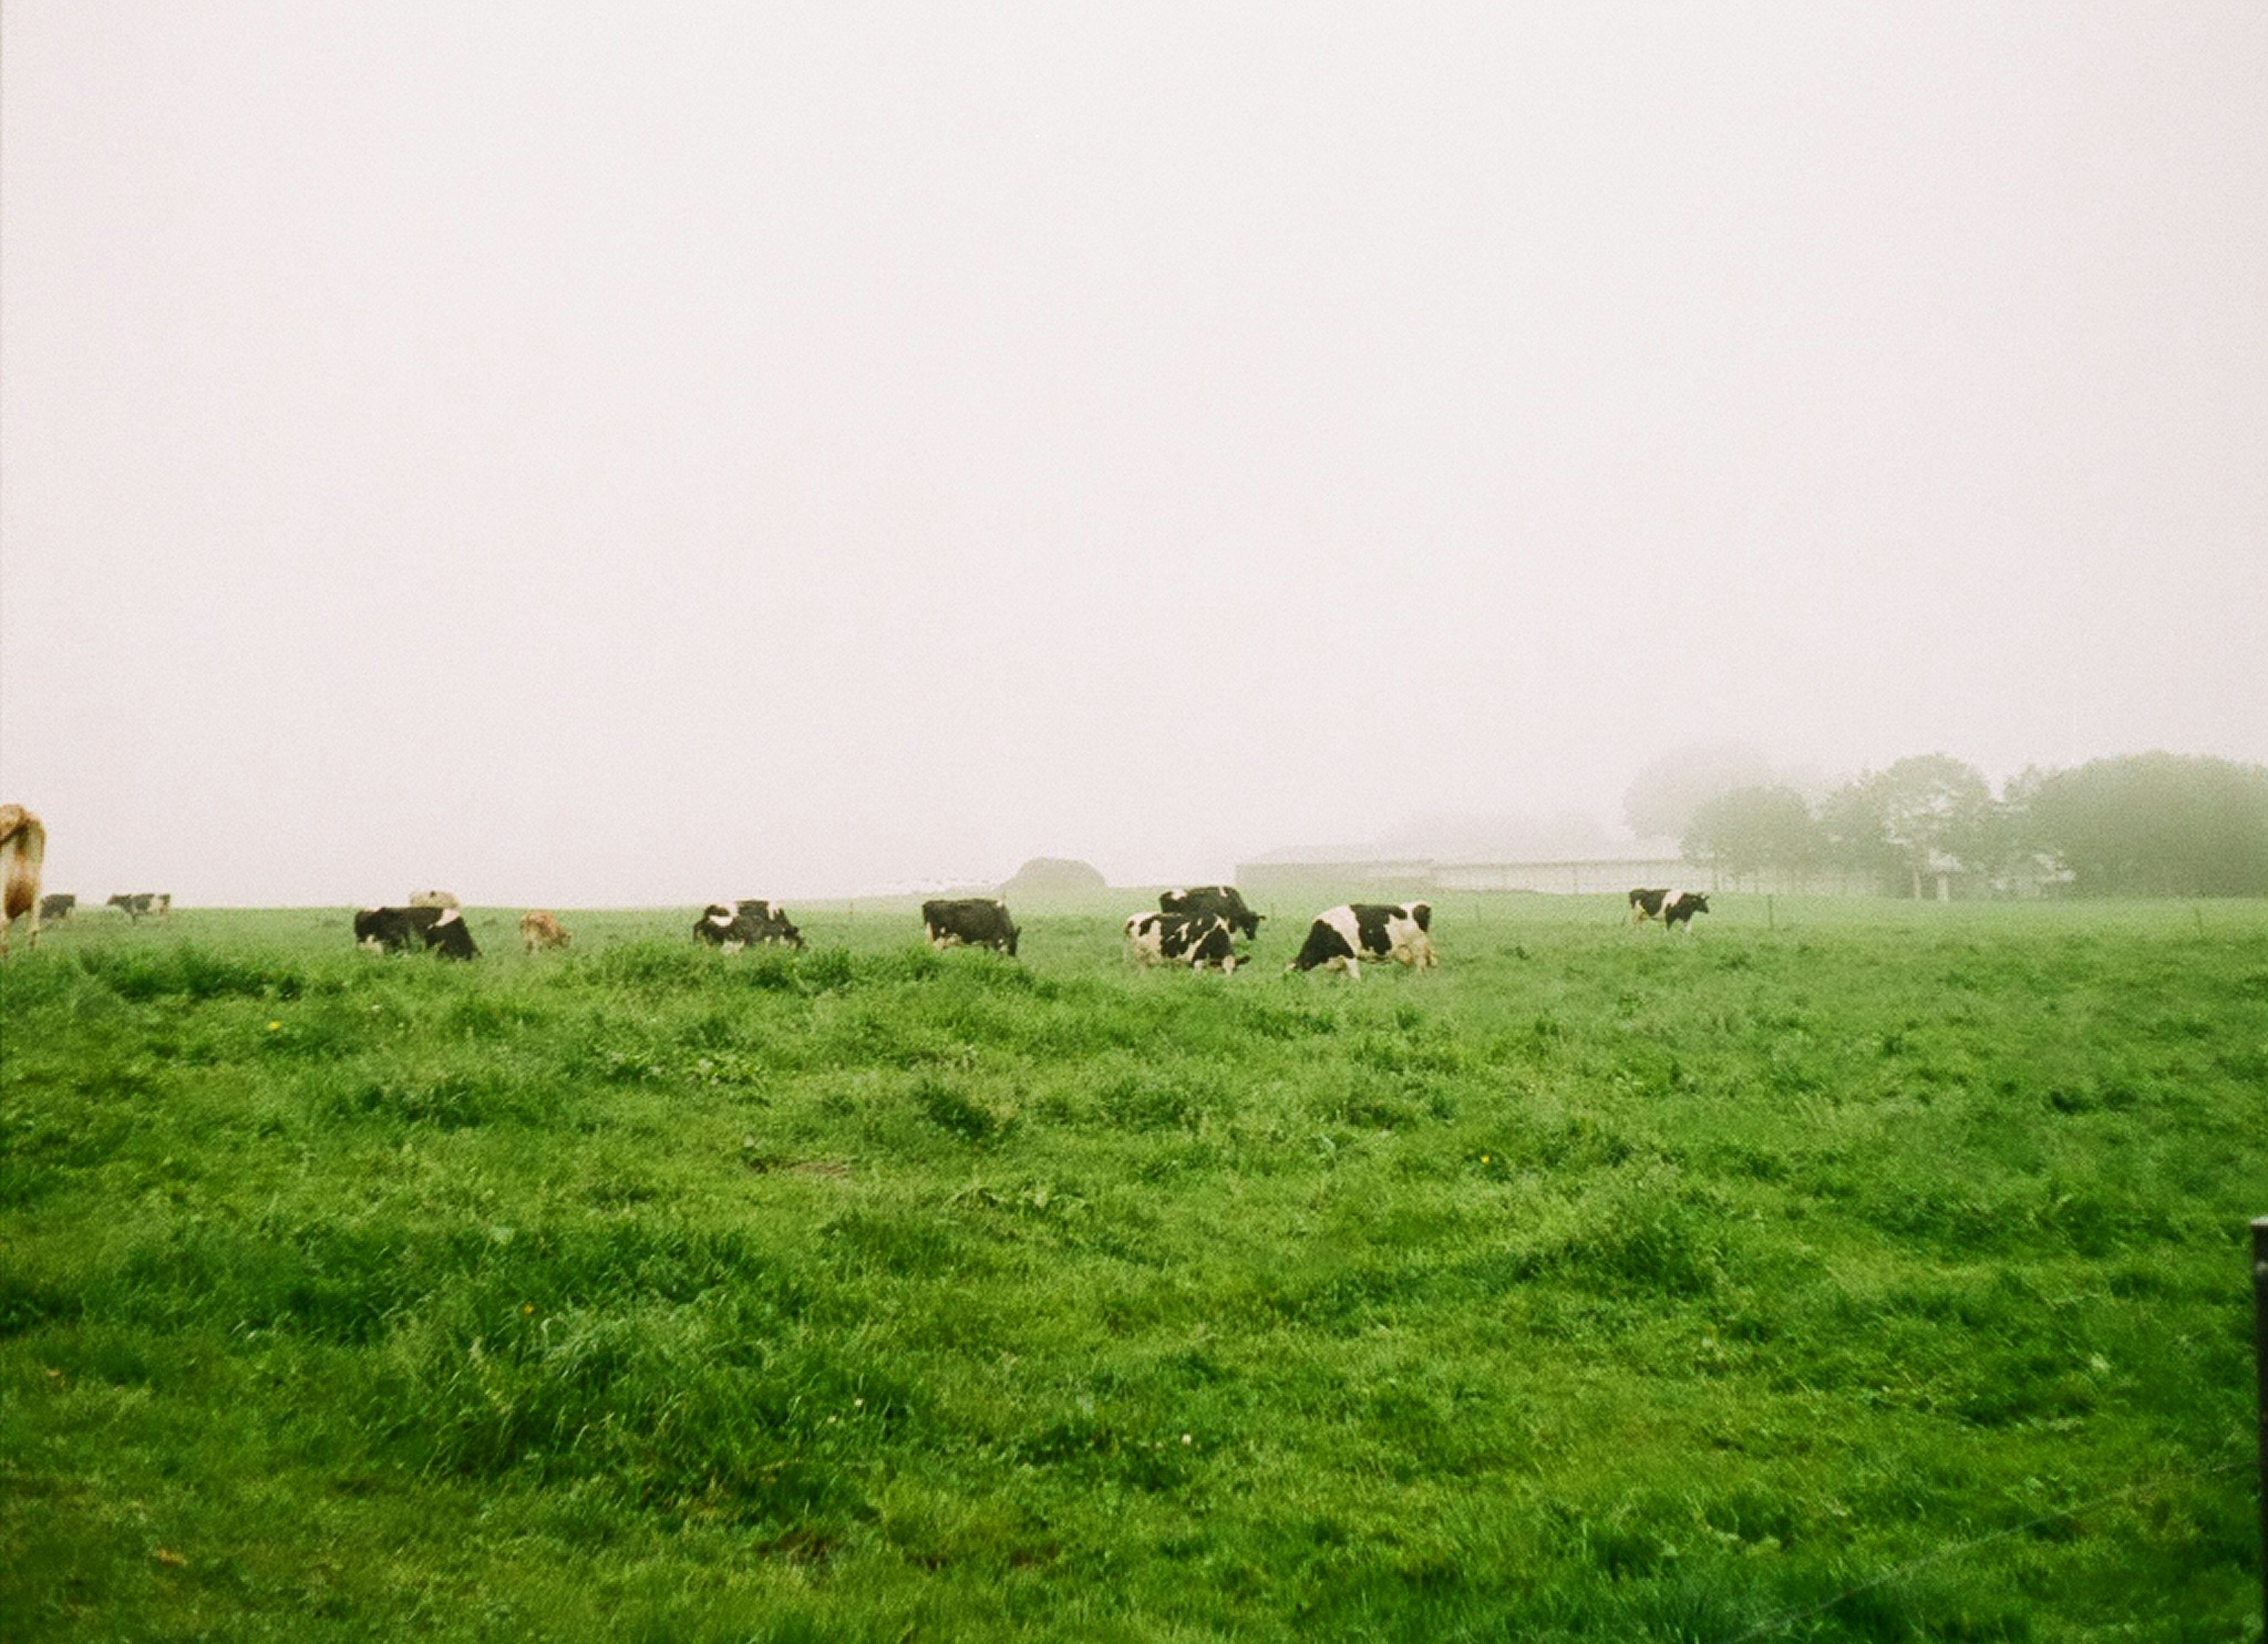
1198,926
23,849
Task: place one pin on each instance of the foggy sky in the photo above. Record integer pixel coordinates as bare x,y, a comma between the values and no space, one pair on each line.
576,456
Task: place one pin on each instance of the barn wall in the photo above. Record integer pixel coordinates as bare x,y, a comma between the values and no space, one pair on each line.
1398,881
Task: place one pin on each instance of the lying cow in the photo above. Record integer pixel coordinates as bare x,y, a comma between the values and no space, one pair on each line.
1342,936
977,921
56,906
732,926
439,930
542,930
433,899
141,903
1673,908
1223,900
1197,940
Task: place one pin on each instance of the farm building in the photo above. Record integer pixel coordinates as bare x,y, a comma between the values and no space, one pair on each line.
1290,872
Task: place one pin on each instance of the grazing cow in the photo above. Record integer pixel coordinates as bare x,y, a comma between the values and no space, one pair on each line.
732,926
439,930
433,899
56,906
450,936
978,922
1672,907
542,930
1342,936
156,904
23,847
770,921
1197,940
391,929
1223,900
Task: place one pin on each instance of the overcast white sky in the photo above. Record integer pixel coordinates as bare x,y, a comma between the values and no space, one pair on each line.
574,454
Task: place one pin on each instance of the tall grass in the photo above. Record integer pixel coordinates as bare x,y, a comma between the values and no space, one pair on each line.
1881,1269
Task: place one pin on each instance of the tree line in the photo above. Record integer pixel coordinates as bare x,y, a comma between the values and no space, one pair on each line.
2137,825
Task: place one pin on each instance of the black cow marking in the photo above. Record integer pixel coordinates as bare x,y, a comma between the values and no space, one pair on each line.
1224,900
451,937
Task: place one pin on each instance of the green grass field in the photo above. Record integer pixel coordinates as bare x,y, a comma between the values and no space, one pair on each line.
1877,1276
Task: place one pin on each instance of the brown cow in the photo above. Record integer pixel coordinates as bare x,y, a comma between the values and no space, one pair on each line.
540,930
23,847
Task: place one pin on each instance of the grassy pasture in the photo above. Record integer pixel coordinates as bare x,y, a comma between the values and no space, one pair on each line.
1598,1284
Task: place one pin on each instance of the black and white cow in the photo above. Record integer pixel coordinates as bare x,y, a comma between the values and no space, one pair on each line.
1672,907
142,902
1342,936
732,926
1199,941
387,929
441,930
1223,900
450,936
56,906
976,921
771,919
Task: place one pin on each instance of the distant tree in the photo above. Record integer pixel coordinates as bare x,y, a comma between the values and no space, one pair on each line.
1661,800
1754,830
1057,876
2151,824
1926,815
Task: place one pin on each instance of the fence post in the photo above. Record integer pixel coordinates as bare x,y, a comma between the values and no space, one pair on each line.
2260,1373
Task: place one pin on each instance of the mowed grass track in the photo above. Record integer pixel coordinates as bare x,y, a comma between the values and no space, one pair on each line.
1597,1285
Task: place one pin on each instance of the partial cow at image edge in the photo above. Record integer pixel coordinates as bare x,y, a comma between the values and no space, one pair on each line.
23,847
